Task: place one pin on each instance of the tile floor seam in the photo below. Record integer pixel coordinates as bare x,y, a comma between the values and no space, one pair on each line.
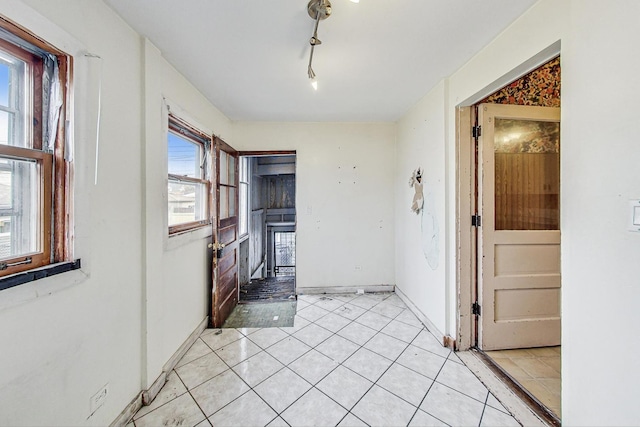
484,408
206,417
425,396
428,390
347,406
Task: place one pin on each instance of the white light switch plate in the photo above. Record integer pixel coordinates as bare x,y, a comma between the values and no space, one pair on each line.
634,215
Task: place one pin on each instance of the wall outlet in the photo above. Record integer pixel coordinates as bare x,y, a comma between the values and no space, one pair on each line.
358,267
98,399
360,291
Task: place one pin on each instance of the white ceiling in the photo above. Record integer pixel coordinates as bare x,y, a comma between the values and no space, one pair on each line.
377,58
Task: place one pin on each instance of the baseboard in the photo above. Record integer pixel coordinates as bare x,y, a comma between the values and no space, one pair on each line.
421,316
344,289
145,397
173,361
128,413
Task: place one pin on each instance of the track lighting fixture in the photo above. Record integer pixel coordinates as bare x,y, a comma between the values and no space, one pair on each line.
318,10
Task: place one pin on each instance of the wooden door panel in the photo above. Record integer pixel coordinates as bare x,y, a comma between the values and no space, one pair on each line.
228,234
225,269
519,241
228,261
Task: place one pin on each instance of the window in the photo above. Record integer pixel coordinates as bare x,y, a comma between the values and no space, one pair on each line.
243,222
189,184
228,183
33,169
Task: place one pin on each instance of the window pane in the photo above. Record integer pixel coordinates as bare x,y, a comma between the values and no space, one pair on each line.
527,175
285,252
224,202
4,84
19,207
232,201
12,101
232,171
7,128
184,157
243,223
224,167
244,169
187,202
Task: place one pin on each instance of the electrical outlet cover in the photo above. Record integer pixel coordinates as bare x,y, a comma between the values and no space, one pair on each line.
98,399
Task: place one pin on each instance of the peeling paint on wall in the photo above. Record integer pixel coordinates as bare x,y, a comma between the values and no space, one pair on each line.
418,199
429,229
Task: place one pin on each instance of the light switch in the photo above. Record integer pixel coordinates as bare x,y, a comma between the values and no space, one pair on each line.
634,215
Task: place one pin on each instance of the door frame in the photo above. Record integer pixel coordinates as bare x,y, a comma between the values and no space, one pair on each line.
466,235
271,153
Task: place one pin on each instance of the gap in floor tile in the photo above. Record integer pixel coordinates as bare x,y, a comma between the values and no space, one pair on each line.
535,369
262,315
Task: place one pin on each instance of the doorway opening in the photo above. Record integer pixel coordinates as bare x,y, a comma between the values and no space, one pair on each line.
268,248
510,172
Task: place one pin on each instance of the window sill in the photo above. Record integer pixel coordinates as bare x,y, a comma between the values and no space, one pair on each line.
176,240
37,288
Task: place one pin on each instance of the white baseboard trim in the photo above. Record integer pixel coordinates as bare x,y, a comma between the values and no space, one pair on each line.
421,316
128,413
145,397
173,361
344,289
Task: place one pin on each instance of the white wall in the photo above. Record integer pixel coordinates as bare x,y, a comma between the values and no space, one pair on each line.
344,189
600,173
73,333
421,143
140,293
177,273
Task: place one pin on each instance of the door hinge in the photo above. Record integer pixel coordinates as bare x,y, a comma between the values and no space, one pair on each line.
476,131
476,220
475,308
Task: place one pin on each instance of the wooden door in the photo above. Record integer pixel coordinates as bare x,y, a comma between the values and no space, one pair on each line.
519,239
225,234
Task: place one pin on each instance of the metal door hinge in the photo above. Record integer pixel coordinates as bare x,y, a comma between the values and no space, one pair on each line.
476,220
476,131
475,308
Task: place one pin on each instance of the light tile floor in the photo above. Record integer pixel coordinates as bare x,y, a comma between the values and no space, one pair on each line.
536,369
349,360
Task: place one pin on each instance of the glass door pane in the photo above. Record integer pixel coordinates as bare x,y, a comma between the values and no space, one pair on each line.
527,175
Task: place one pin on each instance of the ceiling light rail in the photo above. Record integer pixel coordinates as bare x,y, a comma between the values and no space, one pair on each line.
318,10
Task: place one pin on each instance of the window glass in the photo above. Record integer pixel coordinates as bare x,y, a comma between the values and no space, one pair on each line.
224,202
243,208
232,171
527,174
33,201
232,201
19,207
243,196
188,186
4,84
187,202
224,168
13,95
184,157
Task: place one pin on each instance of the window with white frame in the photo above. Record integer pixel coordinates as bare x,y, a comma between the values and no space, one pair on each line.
243,220
33,169
189,177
